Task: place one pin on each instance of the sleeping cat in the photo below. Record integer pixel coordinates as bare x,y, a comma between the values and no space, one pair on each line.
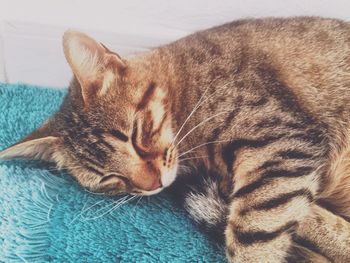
261,105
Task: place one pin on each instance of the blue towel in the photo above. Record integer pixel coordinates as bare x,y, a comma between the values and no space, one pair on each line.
47,217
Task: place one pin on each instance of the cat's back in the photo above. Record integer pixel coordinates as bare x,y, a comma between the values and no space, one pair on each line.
306,57
309,55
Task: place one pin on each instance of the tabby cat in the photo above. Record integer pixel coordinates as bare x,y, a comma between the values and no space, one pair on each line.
262,106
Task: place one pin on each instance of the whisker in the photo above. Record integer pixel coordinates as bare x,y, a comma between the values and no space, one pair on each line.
201,145
103,208
198,104
83,210
139,199
137,204
58,169
195,157
200,124
102,214
183,168
94,193
112,209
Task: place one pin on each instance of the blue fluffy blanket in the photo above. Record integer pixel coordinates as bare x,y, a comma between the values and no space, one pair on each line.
46,217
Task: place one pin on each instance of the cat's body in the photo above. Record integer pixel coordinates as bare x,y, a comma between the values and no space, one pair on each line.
274,76
263,104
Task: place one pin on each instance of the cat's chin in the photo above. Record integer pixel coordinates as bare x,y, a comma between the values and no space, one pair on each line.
153,192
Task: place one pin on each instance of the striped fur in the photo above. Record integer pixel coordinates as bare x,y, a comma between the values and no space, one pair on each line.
322,237
261,103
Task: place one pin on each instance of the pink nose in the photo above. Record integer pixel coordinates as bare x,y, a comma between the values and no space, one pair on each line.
156,184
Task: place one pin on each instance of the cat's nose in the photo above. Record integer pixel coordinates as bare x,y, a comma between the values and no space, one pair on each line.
147,180
156,184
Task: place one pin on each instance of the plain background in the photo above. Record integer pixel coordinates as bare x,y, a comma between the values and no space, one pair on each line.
31,30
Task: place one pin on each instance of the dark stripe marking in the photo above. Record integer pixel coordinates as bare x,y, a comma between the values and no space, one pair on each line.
249,238
89,160
156,131
106,144
98,132
307,137
100,153
247,189
82,156
268,123
92,169
268,176
119,135
300,171
230,251
296,125
279,200
258,103
226,124
146,96
269,164
303,242
142,153
228,151
294,154
84,121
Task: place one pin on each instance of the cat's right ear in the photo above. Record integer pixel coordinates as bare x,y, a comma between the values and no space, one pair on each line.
96,68
39,145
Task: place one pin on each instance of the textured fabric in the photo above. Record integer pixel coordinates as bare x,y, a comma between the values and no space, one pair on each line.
46,217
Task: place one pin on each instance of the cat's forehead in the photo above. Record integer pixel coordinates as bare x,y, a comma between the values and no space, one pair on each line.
127,92
121,102
94,118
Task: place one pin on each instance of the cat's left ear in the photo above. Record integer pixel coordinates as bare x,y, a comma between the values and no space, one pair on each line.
39,145
95,67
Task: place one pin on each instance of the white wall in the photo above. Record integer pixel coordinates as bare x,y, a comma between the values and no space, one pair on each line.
30,50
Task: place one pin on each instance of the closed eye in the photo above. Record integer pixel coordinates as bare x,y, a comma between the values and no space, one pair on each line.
111,176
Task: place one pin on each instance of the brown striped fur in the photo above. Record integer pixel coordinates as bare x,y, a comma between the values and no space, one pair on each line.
335,194
262,102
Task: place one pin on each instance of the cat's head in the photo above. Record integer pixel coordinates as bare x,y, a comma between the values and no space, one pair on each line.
113,132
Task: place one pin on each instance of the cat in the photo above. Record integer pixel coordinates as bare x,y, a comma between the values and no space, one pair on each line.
261,105
322,236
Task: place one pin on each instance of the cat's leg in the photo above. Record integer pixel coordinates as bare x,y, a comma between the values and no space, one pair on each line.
326,234
322,237
274,187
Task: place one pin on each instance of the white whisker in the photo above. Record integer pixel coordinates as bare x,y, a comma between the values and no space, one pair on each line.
201,145
83,210
200,124
58,169
195,157
198,104
115,205
136,205
86,190
139,199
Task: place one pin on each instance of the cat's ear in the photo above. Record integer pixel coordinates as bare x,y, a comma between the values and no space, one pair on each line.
95,67
39,145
